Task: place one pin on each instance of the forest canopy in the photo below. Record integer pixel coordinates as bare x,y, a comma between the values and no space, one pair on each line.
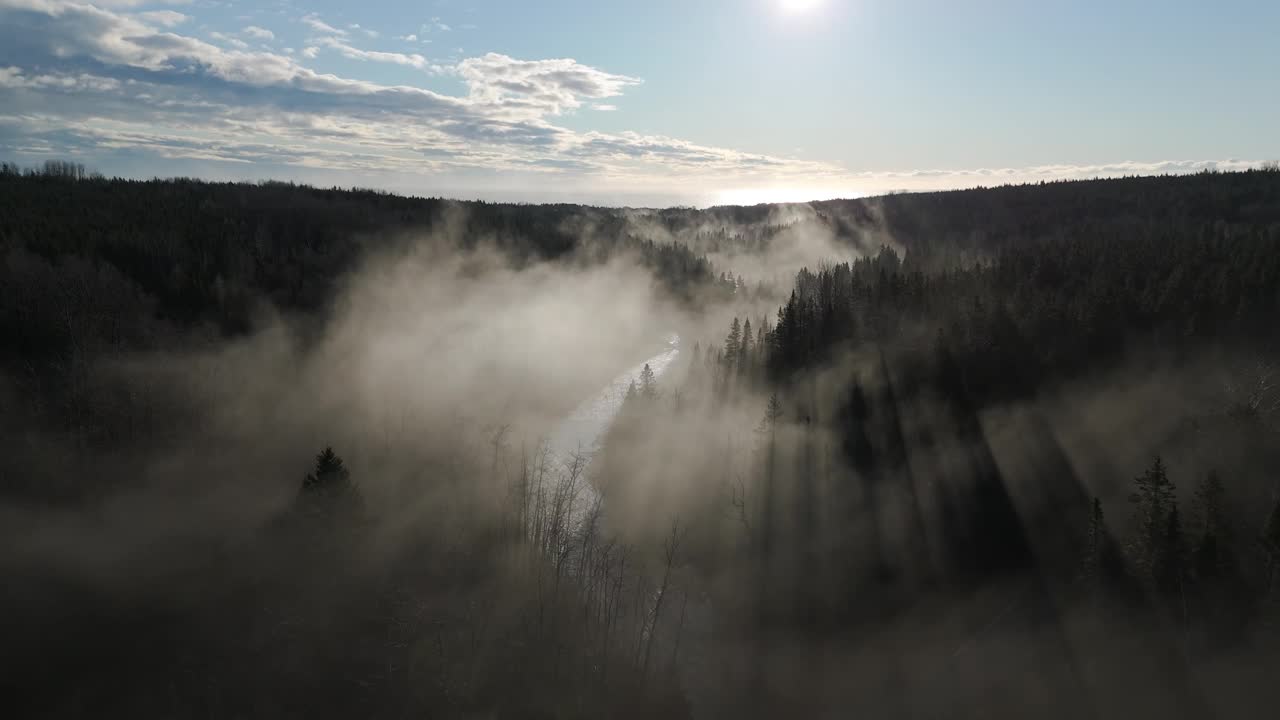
269,449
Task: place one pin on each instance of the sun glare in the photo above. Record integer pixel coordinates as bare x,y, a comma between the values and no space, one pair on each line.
799,6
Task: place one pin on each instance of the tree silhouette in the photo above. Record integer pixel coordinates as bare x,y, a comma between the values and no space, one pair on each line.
732,344
328,490
1170,560
1155,497
1211,554
648,382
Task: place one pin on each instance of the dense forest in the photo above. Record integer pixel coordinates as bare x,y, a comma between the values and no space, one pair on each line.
274,450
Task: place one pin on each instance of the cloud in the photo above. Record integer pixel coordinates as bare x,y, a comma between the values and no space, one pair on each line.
167,18
408,38
12,77
604,107
77,79
137,3
537,86
234,42
411,60
258,33
314,22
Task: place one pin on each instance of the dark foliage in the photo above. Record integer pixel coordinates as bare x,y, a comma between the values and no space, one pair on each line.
872,494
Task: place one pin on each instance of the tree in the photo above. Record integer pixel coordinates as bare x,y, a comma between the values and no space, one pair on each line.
1170,558
328,490
1103,565
670,553
1271,546
1155,496
1210,554
772,412
648,382
732,344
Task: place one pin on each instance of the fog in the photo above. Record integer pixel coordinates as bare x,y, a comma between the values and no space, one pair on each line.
565,485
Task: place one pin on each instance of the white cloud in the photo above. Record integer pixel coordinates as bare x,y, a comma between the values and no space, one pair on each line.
314,22
124,86
234,42
167,18
537,87
604,107
314,119
258,33
435,25
413,60
136,3
408,38
13,77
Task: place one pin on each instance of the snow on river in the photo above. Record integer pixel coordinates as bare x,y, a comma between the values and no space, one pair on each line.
584,428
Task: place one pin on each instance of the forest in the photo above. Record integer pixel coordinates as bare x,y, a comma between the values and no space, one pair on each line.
272,450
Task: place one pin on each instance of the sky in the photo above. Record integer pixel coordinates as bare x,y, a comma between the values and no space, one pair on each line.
663,102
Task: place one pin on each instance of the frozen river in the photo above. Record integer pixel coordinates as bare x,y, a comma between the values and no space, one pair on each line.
584,428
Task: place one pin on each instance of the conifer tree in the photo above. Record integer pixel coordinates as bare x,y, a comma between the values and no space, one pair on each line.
1096,538
1155,496
648,382
1271,546
1170,557
328,490
1210,556
732,344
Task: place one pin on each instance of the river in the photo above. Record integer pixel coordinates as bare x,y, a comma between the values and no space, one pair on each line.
585,427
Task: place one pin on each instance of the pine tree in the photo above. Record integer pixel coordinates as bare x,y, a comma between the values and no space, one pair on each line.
762,341
772,413
1210,557
648,382
328,490
732,344
1170,557
1096,538
1155,496
1271,546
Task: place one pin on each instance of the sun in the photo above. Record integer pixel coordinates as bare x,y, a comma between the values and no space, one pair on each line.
799,6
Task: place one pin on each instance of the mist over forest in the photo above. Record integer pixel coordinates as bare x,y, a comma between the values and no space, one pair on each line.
271,450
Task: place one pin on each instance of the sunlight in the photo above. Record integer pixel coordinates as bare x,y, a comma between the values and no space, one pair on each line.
799,6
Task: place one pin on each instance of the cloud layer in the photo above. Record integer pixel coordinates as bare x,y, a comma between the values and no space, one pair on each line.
92,81
92,78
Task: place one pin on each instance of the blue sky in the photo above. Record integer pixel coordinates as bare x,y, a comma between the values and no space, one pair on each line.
655,103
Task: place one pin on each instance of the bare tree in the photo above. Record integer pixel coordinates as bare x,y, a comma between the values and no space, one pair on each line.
670,552
1254,389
